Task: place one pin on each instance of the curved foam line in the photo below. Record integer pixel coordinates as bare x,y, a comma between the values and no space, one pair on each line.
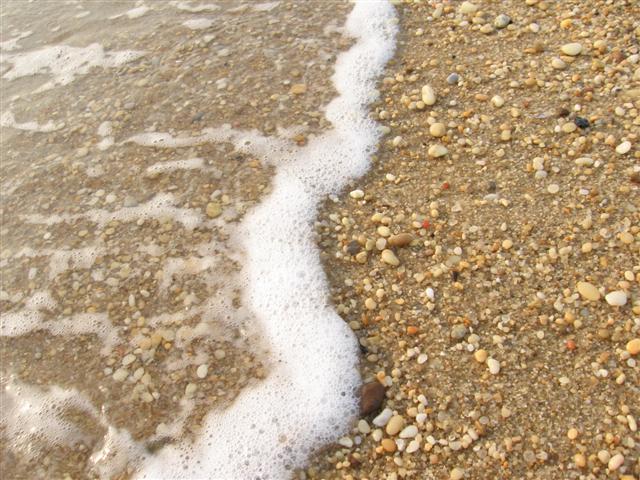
309,397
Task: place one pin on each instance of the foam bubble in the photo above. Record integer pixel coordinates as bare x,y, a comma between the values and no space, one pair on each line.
12,43
187,7
8,120
160,206
198,23
64,63
309,397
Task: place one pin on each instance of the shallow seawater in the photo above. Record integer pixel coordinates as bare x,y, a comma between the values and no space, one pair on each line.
162,301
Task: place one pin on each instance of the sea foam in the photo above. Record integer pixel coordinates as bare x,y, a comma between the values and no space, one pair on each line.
310,395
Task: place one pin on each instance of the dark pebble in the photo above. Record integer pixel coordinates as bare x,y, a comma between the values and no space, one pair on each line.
582,122
353,248
563,112
453,79
371,398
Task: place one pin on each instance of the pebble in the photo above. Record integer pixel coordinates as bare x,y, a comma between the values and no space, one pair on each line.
604,456
467,7
298,89
389,258
357,194
588,291
128,359
458,332
219,354
428,95
494,366
437,150
409,432
623,148
633,346
382,419
616,298
202,370
502,21
553,188
363,427
371,397
558,63
437,130
388,445
481,355
453,79
615,462
400,240
346,442
120,375
497,101
214,209
581,122
571,49
456,474
569,127
395,425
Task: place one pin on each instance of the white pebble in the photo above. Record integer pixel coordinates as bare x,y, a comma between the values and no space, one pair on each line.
202,370
409,432
616,298
356,194
623,148
494,366
428,95
383,417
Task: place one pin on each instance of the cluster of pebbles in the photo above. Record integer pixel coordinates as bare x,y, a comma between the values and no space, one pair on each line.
489,264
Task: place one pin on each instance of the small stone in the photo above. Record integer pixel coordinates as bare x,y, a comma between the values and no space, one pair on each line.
202,370
553,188
502,21
353,247
458,332
582,122
572,434
409,432
633,346
370,304
383,417
569,127
120,375
486,29
558,63
395,425
345,442
214,209
400,240
467,7
389,258
428,95
588,291
481,355
357,194
615,462
623,148
571,49
580,460
604,456
371,397
497,101
298,89
453,79
494,366
128,359
363,426
388,445
219,354
616,298
626,238
456,474
437,130
437,150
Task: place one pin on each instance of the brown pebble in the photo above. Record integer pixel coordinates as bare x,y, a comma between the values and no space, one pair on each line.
371,397
400,240
388,445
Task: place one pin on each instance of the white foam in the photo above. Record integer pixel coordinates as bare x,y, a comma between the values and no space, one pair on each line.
64,63
12,43
172,166
160,206
198,23
264,7
34,419
187,7
309,397
8,120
